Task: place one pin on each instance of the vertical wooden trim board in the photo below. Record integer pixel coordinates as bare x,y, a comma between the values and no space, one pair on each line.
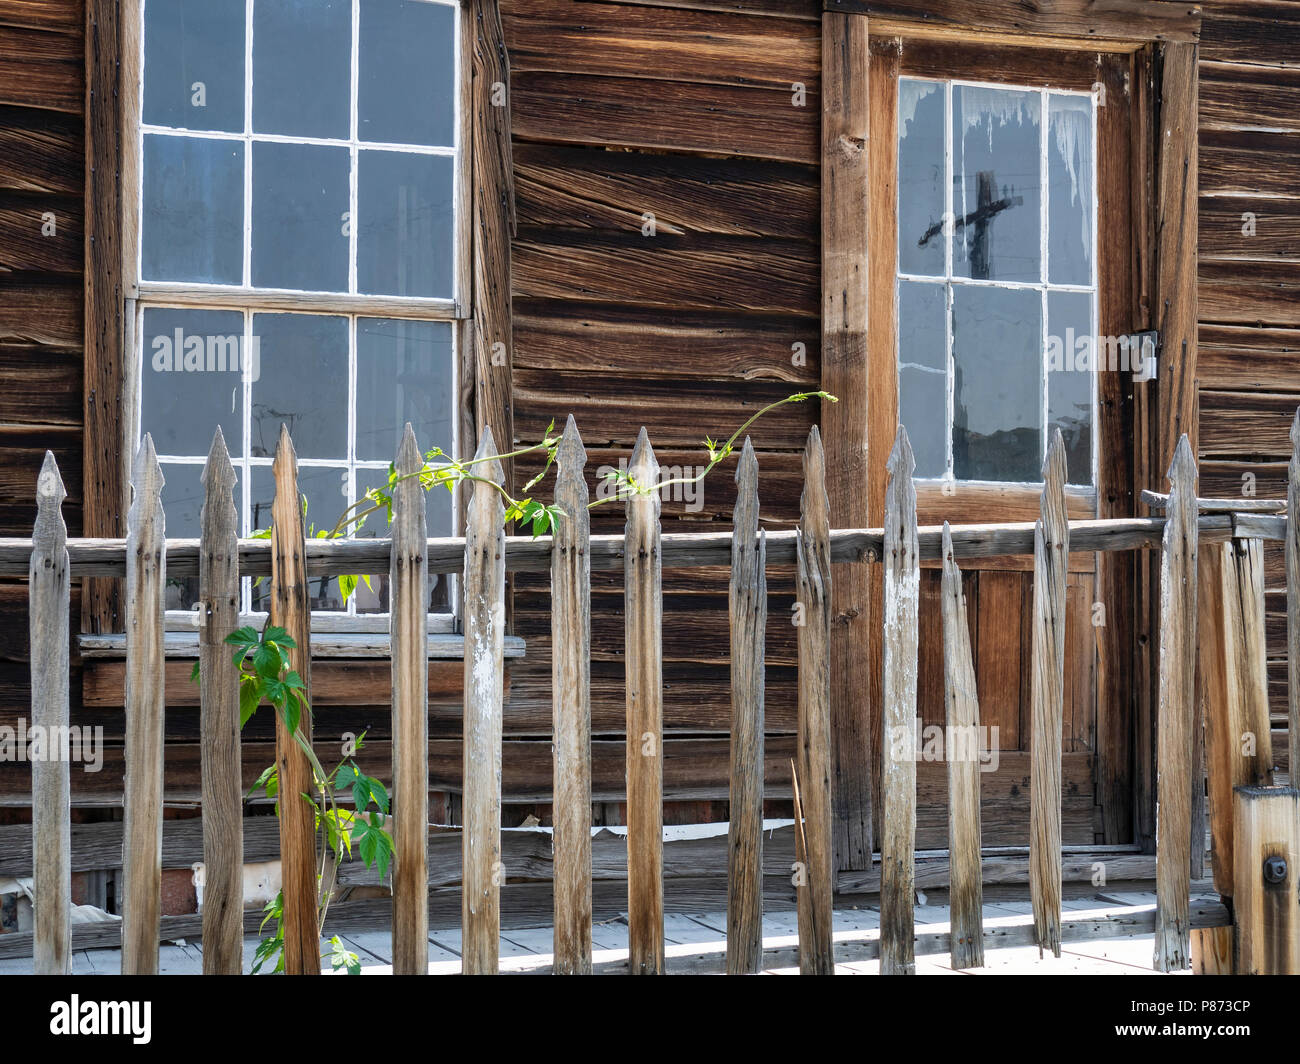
1176,222
845,68
494,226
105,454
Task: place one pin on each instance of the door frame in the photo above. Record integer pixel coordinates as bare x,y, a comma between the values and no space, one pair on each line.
857,273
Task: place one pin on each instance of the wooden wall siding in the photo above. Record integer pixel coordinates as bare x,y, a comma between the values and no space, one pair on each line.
682,108
1249,289
689,332
622,111
42,169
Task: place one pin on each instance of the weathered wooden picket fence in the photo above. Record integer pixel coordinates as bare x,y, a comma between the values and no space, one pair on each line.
485,554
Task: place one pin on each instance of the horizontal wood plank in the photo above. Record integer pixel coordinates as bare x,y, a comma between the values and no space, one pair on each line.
709,272
642,113
637,342
611,411
43,70
41,151
40,234
564,36
589,188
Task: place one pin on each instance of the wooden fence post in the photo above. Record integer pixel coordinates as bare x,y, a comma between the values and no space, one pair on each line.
1231,653
220,767
1293,600
291,610
898,780
146,577
1051,551
643,661
48,605
1177,690
571,706
961,748
408,583
485,577
816,949
747,599
1267,860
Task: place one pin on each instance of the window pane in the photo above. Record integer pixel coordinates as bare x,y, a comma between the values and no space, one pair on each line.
923,373
194,64
404,239
300,200
182,499
1069,189
404,373
191,380
438,515
326,489
302,67
997,383
193,219
921,166
303,383
407,55
1071,362
997,170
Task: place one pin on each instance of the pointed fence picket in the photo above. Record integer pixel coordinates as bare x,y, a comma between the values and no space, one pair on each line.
483,556
1047,700
748,608
220,767
571,707
146,576
485,581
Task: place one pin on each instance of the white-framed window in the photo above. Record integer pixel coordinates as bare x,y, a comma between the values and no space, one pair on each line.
299,255
997,290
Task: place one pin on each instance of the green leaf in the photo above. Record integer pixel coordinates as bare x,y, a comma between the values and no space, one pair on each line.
250,697
269,780
379,793
194,673
289,712
245,636
347,585
340,957
266,660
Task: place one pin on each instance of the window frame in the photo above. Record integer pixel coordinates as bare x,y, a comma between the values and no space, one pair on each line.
140,294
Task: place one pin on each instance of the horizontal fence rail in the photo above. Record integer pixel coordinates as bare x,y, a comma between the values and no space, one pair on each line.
1230,657
680,550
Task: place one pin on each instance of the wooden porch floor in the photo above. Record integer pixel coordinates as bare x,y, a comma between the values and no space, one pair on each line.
1108,933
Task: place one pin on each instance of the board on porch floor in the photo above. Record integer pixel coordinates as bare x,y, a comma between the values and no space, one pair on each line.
690,937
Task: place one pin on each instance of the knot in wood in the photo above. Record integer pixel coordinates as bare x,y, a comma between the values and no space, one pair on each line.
850,147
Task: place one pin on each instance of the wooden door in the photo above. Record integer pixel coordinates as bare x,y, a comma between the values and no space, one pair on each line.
1001,275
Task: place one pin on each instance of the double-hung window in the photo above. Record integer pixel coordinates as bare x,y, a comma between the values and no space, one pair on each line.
300,254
